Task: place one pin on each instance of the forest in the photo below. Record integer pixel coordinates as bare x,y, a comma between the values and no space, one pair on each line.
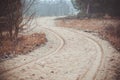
100,7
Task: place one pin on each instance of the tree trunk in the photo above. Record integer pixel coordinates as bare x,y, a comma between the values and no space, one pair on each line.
88,8
11,11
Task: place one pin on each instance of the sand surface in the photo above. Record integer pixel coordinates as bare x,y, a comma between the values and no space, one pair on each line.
68,55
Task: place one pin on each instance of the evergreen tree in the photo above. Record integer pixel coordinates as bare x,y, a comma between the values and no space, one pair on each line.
90,7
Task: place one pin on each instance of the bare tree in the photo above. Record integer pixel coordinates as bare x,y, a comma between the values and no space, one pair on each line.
12,21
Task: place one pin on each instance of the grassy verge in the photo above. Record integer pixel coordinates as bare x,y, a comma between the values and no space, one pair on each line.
108,29
25,44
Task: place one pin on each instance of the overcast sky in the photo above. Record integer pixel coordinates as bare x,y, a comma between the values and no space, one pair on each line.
67,1
53,0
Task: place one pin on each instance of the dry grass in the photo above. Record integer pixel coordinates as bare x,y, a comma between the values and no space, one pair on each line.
25,44
109,29
112,34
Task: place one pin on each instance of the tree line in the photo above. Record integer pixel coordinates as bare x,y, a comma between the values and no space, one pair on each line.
101,7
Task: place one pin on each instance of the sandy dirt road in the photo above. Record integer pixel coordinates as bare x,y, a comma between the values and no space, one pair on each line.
69,55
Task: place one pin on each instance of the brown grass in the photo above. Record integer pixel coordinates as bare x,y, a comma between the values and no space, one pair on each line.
25,44
109,29
112,34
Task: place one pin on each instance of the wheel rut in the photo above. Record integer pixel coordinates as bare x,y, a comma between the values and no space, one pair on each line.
50,53
78,57
100,60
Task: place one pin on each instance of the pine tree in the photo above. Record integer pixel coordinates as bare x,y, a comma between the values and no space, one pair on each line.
90,7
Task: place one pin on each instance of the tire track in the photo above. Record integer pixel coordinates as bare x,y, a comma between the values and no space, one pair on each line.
101,60
62,42
85,75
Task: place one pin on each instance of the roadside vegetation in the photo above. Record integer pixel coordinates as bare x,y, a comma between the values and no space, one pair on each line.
12,23
108,29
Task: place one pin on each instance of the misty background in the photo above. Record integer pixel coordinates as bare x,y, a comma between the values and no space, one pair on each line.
52,8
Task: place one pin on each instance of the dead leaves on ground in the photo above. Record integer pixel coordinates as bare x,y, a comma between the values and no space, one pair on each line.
25,44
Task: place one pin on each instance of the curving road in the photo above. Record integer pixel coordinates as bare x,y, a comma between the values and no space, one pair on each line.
75,55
